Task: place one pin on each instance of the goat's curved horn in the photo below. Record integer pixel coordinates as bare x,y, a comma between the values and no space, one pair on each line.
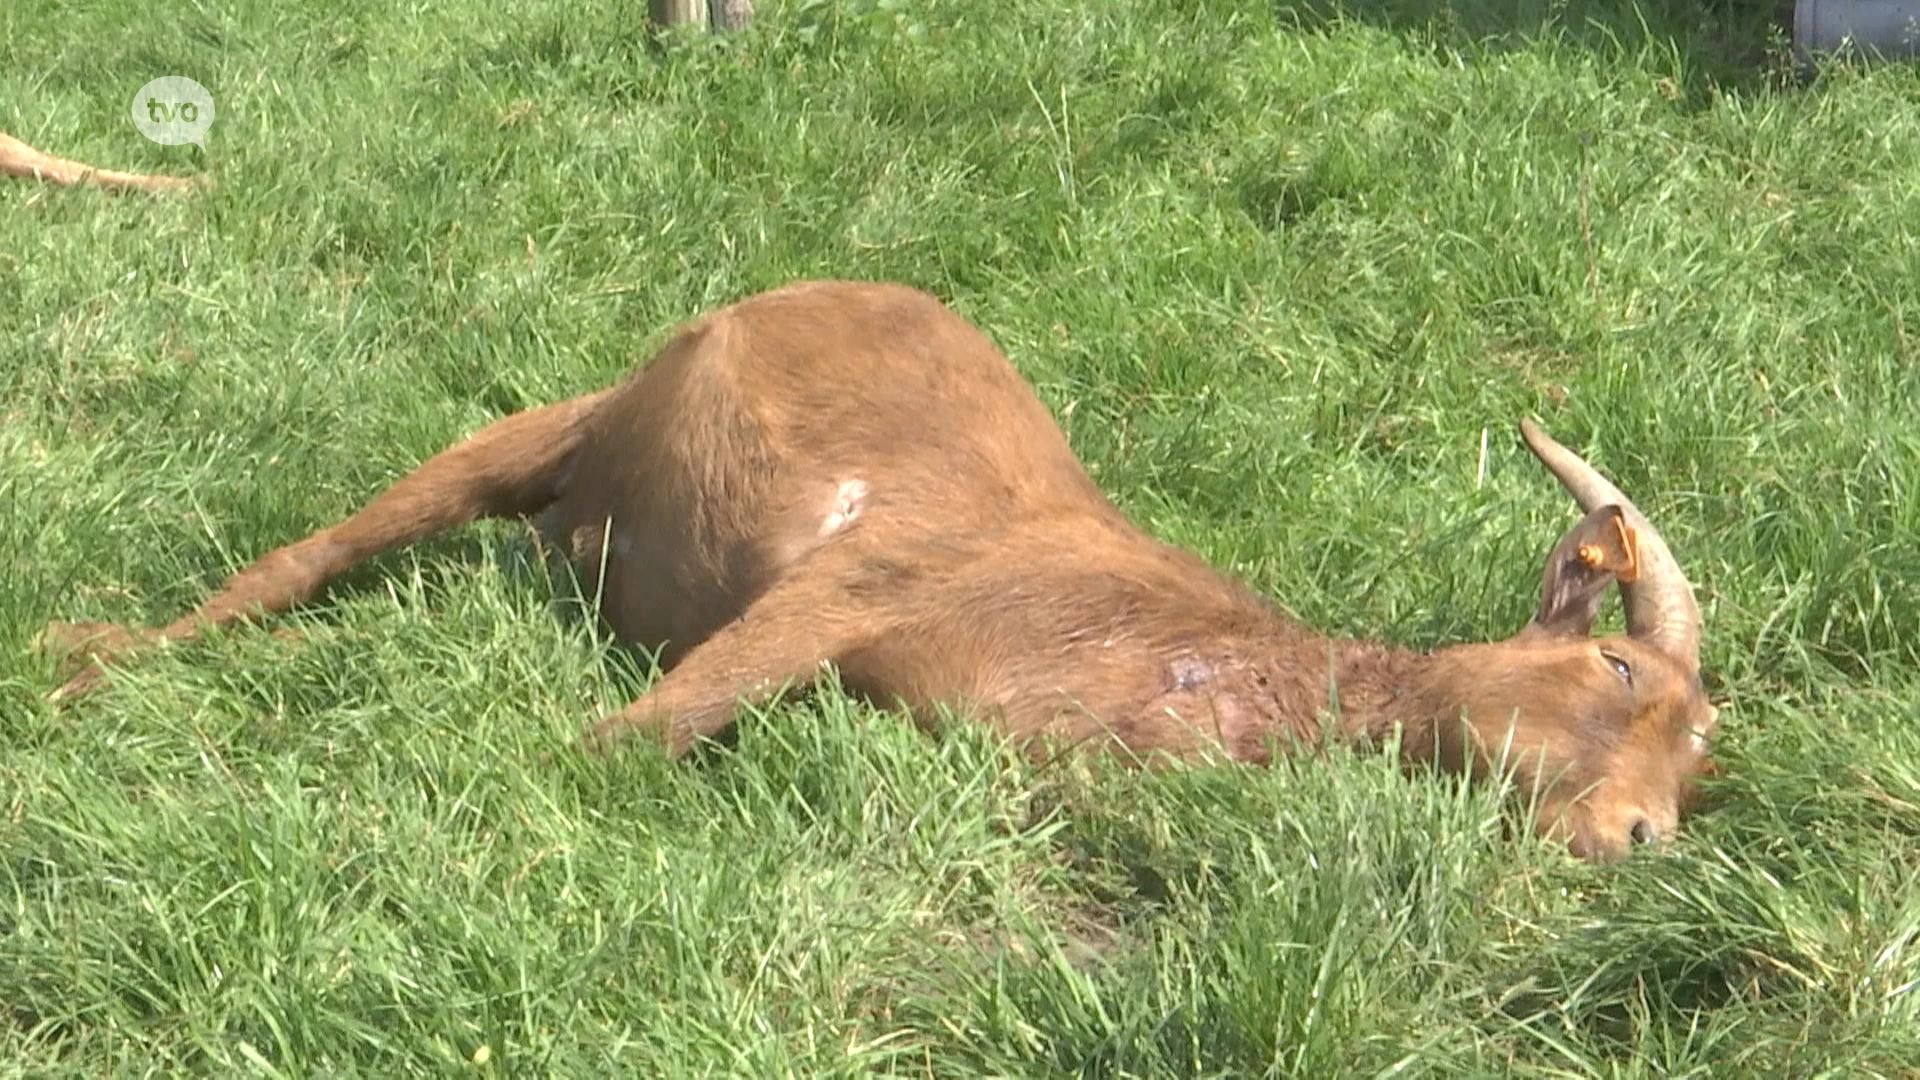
1661,609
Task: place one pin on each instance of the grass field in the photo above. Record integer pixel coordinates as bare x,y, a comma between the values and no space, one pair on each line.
1281,270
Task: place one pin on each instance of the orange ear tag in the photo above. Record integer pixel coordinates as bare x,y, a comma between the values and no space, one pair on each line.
1630,547
1628,566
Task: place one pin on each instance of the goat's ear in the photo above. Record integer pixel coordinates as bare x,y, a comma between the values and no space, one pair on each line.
1600,550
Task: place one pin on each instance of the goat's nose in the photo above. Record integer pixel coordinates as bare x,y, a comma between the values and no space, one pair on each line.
1643,831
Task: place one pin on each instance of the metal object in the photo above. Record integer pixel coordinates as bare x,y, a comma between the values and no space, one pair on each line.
1887,29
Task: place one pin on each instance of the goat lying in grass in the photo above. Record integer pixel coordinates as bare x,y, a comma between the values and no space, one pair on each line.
852,474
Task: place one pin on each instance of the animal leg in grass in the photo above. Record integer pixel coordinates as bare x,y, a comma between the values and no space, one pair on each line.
511,468
781,641
19,159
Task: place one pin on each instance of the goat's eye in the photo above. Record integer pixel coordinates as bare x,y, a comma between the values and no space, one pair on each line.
1620,667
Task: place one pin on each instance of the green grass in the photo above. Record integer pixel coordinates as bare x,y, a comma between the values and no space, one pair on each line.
1282,271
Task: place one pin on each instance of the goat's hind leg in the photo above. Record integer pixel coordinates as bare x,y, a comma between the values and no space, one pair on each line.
513,467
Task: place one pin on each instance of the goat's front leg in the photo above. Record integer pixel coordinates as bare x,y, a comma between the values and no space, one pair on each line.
781,642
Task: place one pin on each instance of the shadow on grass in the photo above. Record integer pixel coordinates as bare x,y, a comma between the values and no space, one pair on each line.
1724,43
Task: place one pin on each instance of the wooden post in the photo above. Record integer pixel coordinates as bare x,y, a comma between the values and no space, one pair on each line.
721,15
678,12
730,14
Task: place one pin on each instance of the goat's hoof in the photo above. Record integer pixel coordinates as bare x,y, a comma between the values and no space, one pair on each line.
77,649
75,639
88,680
75,646
617,731
600,737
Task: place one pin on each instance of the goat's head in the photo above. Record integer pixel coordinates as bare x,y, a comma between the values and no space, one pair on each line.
1610,733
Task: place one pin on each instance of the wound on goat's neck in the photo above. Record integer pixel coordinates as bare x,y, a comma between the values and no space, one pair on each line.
1187,672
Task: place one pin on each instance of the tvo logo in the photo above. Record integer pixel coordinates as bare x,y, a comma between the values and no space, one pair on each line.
173,110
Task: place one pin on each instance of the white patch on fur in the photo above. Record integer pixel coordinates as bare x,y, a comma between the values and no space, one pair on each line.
1188,672
847,503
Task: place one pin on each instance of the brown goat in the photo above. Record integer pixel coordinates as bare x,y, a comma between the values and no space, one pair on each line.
852,474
